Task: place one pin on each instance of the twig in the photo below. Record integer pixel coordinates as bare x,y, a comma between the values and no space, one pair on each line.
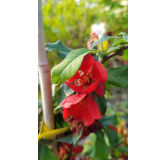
114,53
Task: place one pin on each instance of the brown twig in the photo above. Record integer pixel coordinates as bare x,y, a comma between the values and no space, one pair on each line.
114,53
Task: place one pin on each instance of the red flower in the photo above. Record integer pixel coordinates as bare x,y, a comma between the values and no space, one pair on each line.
76,127
65,149
91,76
94,37
81,107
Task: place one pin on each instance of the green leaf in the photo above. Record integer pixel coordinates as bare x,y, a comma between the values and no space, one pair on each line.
123,149
68,91
67,139
101,103
118,76
125,36
76,138
117,153
100,54
125,55
101,148
55,93
59,121
112,136
61,97
53,86
108,120
90,149
71,139
61,49
64,92
107,86
113,49
69,66
117,42
44,153
102,39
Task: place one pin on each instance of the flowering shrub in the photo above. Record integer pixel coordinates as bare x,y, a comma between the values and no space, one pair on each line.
80,108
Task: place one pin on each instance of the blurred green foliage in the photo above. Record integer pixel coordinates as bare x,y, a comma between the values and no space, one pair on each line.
70,21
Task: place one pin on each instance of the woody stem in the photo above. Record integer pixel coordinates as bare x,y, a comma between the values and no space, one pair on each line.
119,51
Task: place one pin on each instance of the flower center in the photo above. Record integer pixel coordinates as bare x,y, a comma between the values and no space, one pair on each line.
83,103
85,79
62,153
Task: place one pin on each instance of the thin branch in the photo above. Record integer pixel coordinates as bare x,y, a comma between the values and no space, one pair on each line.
114,54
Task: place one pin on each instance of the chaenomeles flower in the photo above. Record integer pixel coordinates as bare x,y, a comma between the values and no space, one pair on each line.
91,76
81,107
93,38
65,149
76,127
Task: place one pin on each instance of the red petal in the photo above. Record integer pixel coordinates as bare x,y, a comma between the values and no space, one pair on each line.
66,112
76,76
76,112
100,89
93,108
77,149
91,88
99,72
74,88
89,43
71,100
87,117
77,82
87,63
72,157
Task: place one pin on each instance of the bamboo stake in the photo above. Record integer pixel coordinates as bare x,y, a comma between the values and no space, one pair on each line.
44,74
